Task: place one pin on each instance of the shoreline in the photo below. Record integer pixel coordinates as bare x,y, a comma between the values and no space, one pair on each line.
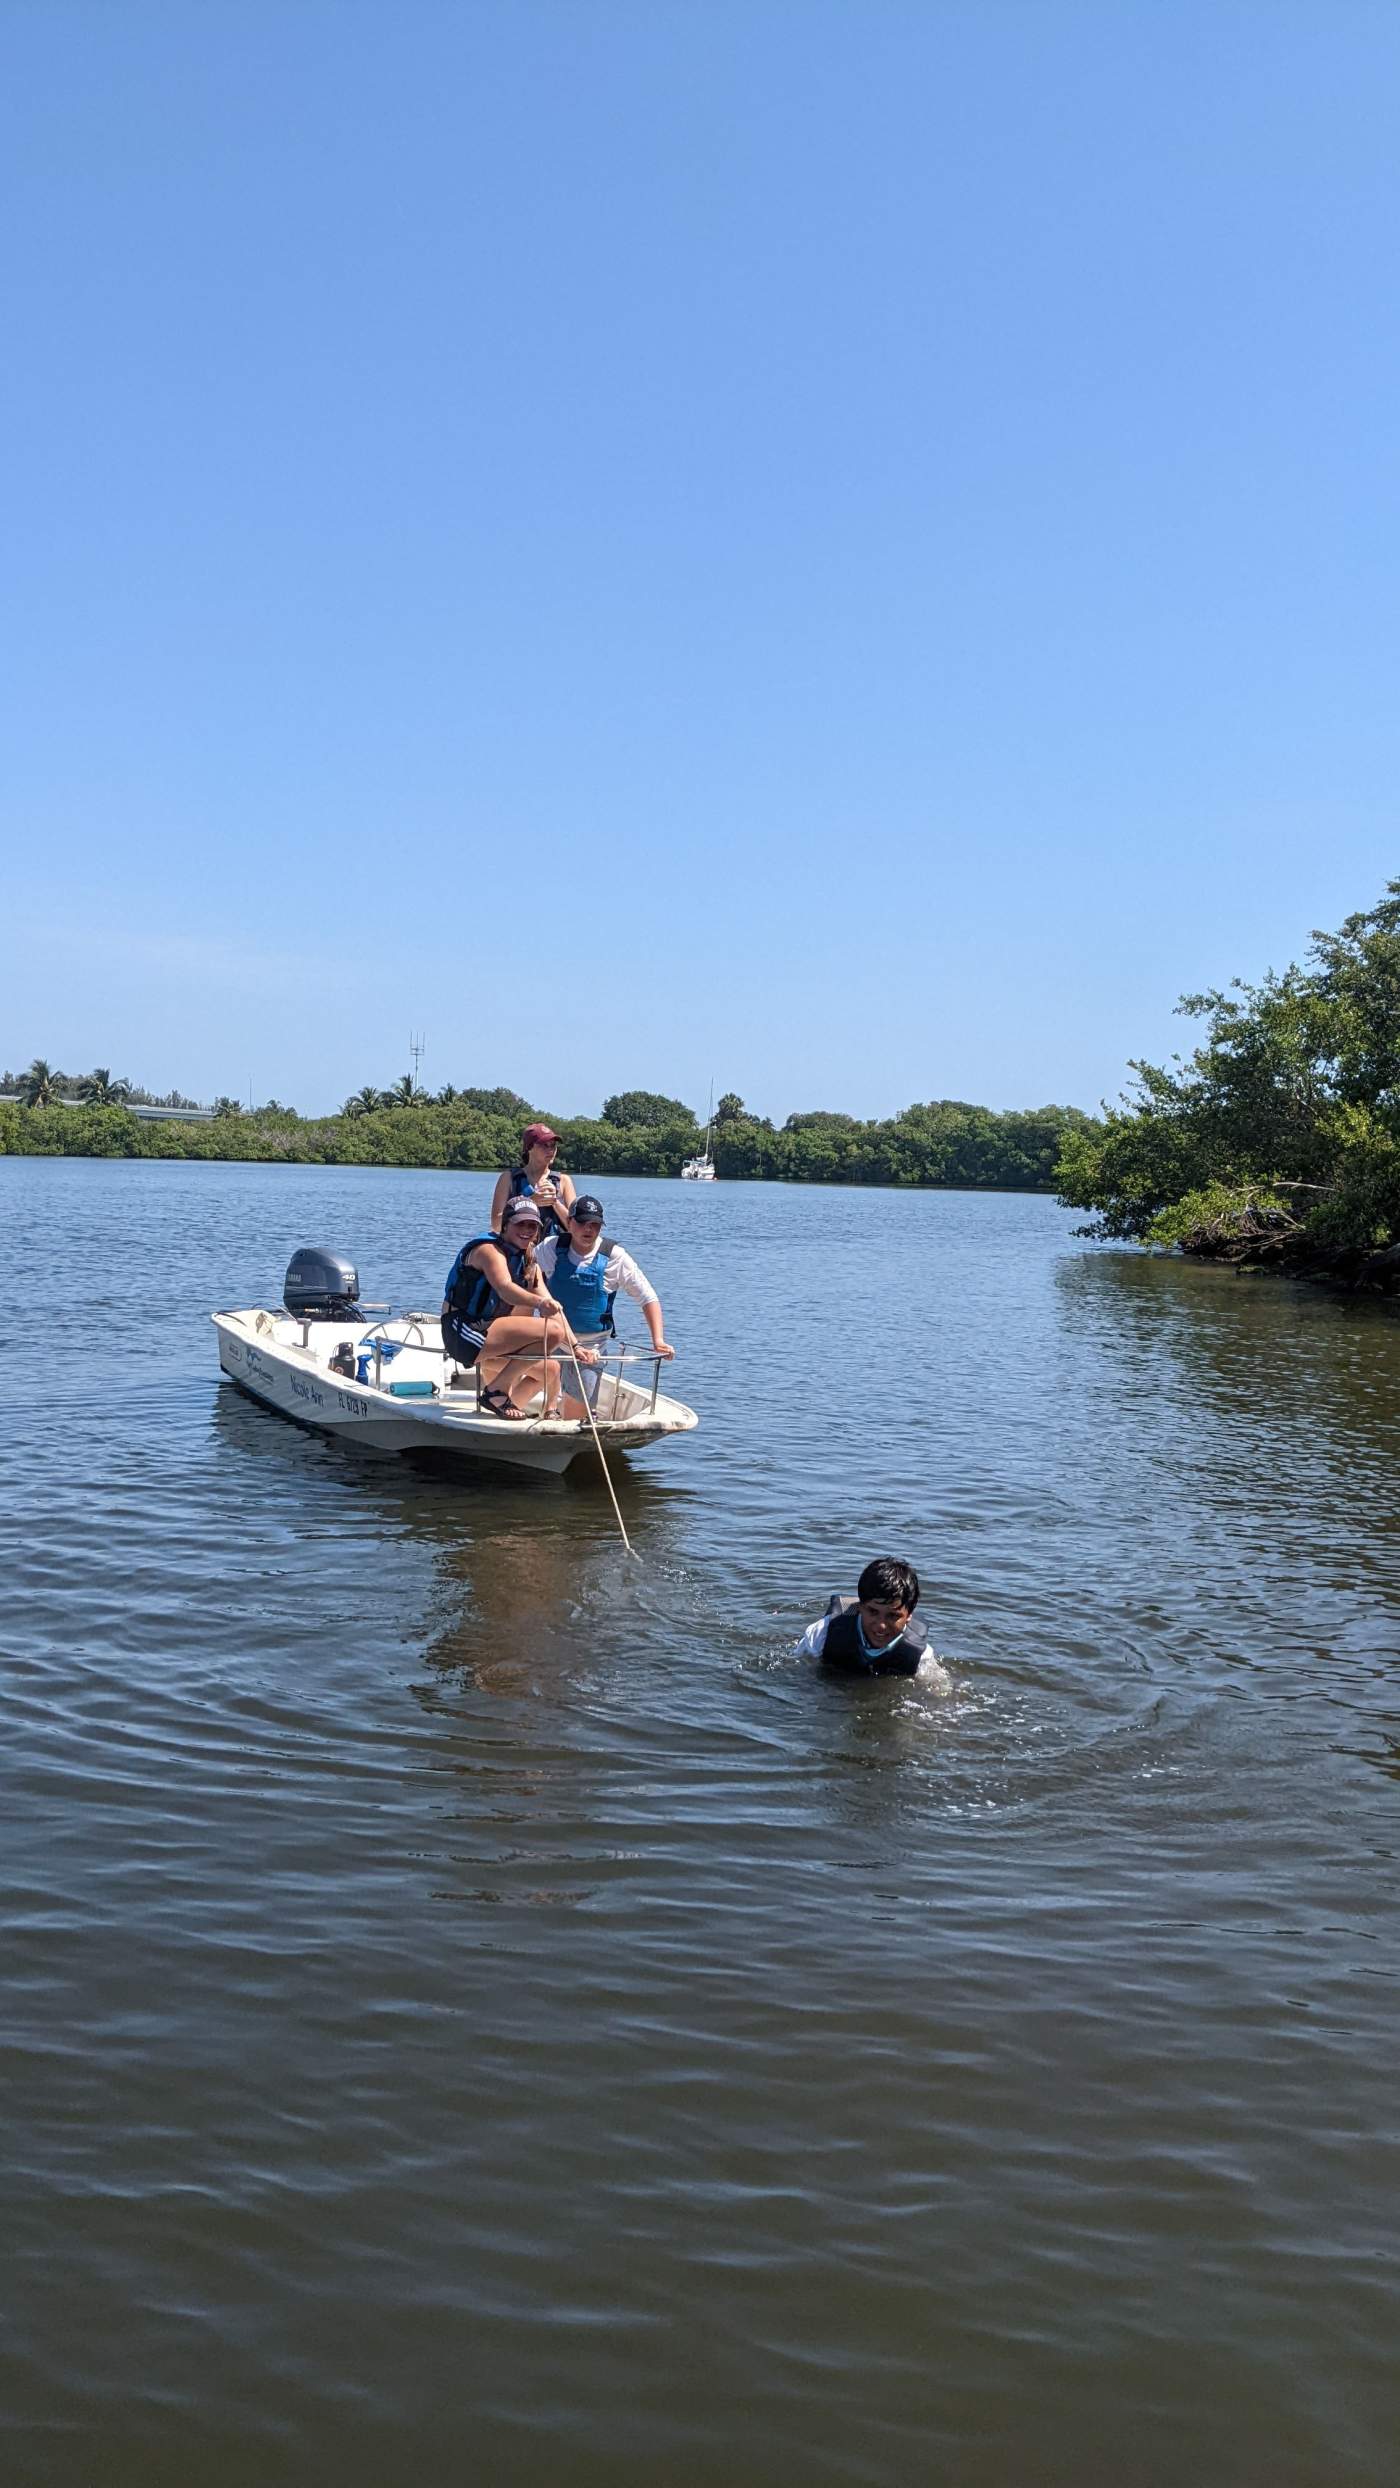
946,1147
489,1166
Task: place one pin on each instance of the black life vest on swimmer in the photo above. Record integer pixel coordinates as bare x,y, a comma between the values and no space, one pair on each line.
470,1294
843,1647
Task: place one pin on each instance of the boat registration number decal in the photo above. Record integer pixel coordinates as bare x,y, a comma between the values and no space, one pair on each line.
352,1406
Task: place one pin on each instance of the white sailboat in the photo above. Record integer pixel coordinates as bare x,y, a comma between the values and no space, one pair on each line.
701,1170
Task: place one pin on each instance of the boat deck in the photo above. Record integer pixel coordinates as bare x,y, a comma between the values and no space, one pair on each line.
402,1395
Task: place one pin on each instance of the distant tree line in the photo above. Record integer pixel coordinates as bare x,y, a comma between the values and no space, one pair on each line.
42,1085
1276,1144
639,1132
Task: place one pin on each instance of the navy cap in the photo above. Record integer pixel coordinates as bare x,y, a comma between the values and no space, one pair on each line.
586,1206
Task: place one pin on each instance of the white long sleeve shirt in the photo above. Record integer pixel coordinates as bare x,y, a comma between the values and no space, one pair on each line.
813,1641
930,1671
622,1271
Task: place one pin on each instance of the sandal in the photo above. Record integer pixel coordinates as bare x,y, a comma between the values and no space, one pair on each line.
498,1403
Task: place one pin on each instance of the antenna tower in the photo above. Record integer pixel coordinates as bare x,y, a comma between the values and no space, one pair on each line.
415,1047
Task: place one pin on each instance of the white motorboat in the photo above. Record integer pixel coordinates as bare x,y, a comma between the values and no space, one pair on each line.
389,1384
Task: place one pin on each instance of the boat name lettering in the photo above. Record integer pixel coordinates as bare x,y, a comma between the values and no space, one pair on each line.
306,1391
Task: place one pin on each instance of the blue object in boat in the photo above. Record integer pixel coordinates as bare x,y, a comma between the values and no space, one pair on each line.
387,1350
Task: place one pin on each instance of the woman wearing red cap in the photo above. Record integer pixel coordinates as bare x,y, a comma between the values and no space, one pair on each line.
535,1179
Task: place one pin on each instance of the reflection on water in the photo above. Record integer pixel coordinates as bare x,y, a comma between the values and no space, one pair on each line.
470,1989
1279,1411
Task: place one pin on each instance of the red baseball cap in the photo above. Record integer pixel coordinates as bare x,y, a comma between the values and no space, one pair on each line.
542,1133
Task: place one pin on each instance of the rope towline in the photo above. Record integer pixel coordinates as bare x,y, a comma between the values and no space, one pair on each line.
532,1356
597,1437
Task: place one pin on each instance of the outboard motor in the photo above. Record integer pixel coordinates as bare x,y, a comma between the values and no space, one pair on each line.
320,1286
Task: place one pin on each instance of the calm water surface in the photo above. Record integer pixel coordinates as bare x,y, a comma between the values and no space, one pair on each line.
479,2010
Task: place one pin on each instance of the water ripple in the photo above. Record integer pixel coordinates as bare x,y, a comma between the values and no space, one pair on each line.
474,1998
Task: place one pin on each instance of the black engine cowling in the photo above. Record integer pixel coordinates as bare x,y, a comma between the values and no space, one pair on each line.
320,1286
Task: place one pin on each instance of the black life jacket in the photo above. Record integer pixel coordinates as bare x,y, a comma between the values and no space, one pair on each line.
550,1221
844,1650
473,1299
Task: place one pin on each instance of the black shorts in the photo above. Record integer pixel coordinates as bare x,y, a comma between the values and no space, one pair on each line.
463,1344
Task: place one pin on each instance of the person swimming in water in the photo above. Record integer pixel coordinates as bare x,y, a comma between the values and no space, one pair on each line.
875,1633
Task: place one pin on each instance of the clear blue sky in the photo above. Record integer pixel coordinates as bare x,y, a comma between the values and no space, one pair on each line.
853,548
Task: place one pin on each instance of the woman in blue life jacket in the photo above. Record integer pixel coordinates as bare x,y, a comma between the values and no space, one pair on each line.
495,1302
585,1270
535,1179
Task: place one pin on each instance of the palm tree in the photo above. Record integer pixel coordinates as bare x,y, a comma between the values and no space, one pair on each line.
403,1092
447,1095
364,1101
41,1083
100,1089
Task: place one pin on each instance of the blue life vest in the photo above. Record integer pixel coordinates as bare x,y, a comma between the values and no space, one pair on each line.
582,1288
469,1292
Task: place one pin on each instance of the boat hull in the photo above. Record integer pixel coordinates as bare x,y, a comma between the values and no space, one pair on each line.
264,1354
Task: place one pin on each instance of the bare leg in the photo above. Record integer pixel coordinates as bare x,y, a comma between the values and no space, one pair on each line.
514,1357
522,1378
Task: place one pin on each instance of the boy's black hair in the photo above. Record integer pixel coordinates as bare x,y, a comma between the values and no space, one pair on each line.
890,1580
